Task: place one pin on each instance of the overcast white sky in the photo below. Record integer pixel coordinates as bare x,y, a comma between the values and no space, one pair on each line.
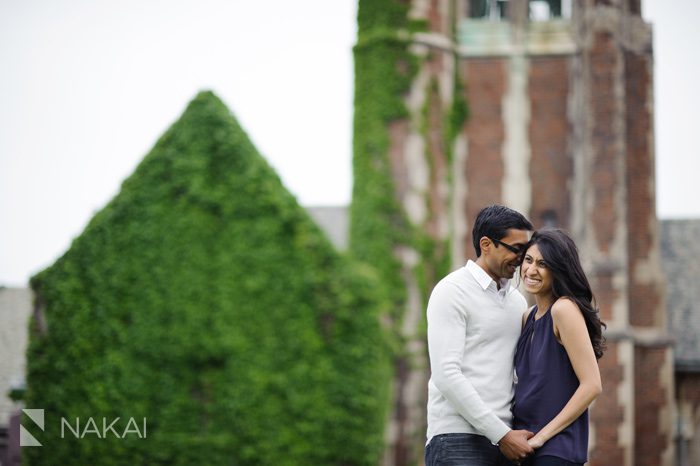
87,87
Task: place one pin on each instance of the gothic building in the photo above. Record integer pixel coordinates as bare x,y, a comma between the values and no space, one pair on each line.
556,100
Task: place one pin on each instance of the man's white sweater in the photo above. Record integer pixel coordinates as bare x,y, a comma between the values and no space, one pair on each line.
473,329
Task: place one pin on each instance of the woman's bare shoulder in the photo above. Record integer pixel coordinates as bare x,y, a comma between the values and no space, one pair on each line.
565,309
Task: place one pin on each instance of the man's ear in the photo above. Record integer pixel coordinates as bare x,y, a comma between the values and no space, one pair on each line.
485,244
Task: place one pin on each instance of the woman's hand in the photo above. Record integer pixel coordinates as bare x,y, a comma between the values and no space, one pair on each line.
535,442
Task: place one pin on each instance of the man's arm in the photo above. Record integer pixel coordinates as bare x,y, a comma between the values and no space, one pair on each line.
447,326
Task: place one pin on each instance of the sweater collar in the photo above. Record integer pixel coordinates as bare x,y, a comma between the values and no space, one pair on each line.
484,279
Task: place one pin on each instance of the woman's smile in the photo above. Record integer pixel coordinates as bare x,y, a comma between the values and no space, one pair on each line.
532,282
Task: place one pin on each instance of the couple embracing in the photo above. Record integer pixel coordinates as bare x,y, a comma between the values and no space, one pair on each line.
512,385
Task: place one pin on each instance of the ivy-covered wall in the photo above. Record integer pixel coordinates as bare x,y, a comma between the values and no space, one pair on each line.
204,299
409,111
384,70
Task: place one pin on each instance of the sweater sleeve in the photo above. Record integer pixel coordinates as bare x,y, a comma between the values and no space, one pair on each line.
447,329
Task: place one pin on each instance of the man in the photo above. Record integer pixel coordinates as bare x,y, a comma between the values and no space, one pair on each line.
474,321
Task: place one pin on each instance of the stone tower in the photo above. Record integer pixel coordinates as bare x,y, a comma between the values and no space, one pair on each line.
545,106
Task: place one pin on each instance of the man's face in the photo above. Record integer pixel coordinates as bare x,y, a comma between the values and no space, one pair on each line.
500,259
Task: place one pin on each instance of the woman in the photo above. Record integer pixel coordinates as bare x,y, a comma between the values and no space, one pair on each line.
556,356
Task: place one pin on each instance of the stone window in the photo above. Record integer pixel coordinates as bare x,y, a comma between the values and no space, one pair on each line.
547,10
493,10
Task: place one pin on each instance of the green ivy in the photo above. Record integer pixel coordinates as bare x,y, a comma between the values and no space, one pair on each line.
384,69
204,299
458,113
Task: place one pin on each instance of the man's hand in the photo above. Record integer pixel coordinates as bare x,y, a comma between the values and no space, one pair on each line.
514,445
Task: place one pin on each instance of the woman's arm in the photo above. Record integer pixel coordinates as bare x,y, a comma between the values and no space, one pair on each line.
570,329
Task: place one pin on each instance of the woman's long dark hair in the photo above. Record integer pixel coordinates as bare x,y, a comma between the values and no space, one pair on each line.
561,257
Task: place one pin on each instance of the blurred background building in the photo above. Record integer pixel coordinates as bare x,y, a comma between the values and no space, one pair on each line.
547,107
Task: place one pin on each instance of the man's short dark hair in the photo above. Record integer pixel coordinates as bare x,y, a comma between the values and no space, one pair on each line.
494,221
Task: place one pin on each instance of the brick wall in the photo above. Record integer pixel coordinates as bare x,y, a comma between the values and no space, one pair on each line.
548,132
651,440
608,411
644,298
485,83
604,172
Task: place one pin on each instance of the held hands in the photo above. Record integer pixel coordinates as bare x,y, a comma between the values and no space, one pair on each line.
515,446
535,442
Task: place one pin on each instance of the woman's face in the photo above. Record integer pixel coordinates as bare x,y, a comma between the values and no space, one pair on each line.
537,278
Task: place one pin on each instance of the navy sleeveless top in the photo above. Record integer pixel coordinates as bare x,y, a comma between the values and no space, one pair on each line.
545,383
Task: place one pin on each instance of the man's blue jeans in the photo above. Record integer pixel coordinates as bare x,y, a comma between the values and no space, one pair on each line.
463,450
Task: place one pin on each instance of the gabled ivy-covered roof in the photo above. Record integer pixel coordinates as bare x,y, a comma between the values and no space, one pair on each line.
204,299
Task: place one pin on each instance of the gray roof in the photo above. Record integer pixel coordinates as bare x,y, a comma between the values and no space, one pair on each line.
333,220
15,310
680,256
